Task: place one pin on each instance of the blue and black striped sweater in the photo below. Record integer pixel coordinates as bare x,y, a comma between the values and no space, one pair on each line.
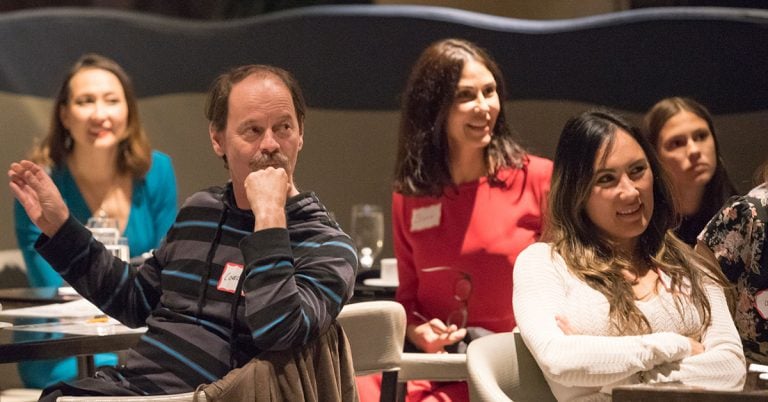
293,284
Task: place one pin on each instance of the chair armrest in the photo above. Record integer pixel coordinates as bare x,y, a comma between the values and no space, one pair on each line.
185,397
433,367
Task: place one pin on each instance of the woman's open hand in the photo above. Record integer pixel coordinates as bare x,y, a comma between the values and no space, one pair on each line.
564,325
696,347
38,195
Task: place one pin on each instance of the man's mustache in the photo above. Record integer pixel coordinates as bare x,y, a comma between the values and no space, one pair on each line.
263,161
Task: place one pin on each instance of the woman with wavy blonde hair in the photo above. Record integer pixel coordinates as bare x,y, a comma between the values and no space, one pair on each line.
613,296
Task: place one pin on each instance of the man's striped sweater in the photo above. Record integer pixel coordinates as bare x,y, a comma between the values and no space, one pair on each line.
294,282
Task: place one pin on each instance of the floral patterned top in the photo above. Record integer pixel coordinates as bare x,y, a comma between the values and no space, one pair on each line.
737,237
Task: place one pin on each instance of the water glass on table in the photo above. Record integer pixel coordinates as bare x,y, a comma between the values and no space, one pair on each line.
367,232
121,249
106,231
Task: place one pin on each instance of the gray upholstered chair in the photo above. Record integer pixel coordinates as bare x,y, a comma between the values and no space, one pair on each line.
492,367
501,368
376,332
384,321
11,258
12,268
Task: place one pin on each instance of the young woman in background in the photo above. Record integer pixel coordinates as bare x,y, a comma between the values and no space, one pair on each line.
682,132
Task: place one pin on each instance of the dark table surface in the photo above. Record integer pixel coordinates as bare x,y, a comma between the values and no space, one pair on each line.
34,296
754,390
365,292
22,342
17,345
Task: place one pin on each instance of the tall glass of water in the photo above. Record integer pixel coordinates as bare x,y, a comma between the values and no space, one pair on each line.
106,230
367,232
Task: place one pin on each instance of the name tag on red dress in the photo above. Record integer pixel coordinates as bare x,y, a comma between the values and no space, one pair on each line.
426,217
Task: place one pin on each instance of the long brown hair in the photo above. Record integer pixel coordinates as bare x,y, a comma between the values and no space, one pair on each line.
720,187
590,256
134,153
422,166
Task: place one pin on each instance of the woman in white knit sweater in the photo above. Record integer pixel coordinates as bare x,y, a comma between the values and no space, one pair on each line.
613,297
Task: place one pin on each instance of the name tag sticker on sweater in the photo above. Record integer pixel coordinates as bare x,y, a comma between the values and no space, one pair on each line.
230,277
426,217
761,303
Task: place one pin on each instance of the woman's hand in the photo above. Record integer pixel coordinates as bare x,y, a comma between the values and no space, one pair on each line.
696,347
39,196
433,336
564,325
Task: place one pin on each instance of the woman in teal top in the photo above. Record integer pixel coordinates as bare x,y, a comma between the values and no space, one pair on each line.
99,157
153,209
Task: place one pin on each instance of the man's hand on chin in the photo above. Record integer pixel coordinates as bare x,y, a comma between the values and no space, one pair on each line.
267,191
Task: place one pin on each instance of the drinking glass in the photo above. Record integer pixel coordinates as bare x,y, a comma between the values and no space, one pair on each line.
104,229
120,250
367,232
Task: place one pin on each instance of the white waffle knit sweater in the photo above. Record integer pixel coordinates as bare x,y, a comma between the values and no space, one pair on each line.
587,364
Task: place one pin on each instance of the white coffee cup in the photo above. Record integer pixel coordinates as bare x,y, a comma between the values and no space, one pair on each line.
389,269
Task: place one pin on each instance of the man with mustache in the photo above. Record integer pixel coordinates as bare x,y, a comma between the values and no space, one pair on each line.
249,268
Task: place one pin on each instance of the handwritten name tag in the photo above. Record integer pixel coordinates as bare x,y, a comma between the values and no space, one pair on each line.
426,217
230,277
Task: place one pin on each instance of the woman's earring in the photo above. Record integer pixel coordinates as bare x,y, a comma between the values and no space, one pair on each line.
68,142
